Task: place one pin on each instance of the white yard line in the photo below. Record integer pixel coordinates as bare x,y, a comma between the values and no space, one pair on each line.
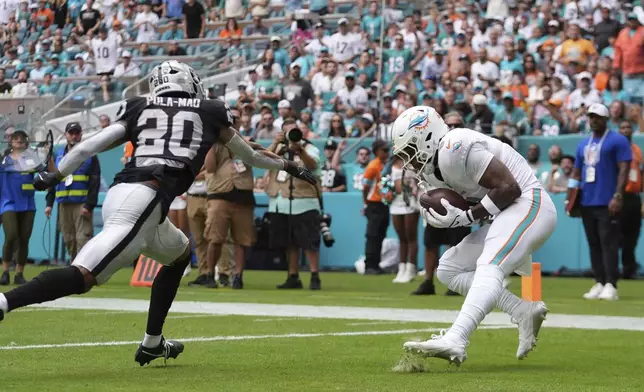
379,323
235,338
342,312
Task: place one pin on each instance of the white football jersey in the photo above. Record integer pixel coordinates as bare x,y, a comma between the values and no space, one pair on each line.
344,47
464,155
106,52
7,8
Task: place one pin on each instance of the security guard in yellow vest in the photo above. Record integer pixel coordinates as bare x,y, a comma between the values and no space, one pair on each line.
295,217
77,195
231,205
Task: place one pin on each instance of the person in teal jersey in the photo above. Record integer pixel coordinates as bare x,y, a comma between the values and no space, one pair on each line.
268,90
512,115
447,36
48,87
553,122
173,33
366,69
55,69
280,54
552,32
615,91
433,26
17,204
304,61
237,52
372,22
397,60
510,63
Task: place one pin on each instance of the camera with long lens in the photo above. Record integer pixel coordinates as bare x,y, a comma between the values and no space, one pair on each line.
294,135
325,230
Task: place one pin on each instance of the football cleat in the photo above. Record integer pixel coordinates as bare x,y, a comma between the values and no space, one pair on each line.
1,315
439,347
594,292
529,325
166,349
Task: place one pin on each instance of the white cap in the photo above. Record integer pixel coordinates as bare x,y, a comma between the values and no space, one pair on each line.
276,38
584,75
352,66
598,109
284,104
368,117
126,53
400,87
553,23
343,20
479,99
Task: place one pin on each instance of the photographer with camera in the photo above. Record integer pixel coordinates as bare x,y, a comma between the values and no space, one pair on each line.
294,207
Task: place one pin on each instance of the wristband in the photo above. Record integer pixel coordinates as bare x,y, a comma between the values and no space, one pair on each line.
489,205
572,183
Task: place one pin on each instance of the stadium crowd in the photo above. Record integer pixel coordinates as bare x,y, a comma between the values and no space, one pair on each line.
343,70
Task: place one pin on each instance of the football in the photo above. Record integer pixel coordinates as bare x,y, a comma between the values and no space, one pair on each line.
432,199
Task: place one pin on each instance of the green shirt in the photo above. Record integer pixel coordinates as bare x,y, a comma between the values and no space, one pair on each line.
268,86
396,62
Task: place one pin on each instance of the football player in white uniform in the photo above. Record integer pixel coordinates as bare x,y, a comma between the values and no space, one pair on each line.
492,174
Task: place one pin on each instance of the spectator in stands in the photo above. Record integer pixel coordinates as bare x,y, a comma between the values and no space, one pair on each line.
337,129
280,54
231,29
614,91
146,22
333,178
5,87
397,61
266,128
90,16
48,88
607,28
533,156
10,57
326,92
559,175
629,58
576,48
38,72
255,29
484,70
630,218
376,212
173,10
127,68
552,121
175,50
344,45
144,50
104,121
106,48
352,95
482,117
268,89
319,41
55,69
355,171
602,182
194,22
284,111
173,33
512,114
44,15
584,95
268,57
81,68
296,90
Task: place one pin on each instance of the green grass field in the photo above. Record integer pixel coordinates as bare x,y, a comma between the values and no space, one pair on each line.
89,345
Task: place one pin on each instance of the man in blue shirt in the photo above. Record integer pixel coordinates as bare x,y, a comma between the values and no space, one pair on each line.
601,169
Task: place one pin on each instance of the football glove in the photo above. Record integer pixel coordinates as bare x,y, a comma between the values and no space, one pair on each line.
45,180
300,172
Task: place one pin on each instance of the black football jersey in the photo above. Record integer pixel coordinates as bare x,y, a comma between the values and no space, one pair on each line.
171,137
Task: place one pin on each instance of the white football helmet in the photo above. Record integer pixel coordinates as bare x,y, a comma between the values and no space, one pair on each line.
415,136
174,77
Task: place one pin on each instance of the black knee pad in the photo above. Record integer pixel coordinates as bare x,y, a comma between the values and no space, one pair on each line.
72,276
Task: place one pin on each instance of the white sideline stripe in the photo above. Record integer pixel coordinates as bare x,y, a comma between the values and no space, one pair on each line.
379,323
576,321
242,337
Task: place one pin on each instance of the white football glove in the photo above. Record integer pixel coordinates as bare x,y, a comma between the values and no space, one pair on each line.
455,217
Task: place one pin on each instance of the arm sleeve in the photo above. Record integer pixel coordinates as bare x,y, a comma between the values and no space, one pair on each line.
91,147
239,147
94,184
477,161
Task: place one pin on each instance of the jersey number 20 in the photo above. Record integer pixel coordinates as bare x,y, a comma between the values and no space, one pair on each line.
179,134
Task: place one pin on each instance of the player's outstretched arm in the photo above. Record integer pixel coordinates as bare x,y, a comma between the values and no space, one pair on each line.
108,138
238,146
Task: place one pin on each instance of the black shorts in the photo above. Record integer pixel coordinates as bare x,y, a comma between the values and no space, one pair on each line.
301,231
434,237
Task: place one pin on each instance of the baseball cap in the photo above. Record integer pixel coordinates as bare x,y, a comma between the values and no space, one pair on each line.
631,15
368,117
78,56
424,95
319,25
553,23
463,57
293,65
350,74
352,66
460,36
387,95
331,145
598,109
400,87
242,83
479,99
508,95
343,21
275,38
584,75
463,79
73,126
126,53
324,49
266,106
38,58
54,57
284,104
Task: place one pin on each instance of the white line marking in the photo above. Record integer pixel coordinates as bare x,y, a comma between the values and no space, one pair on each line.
380,323
268,320
576,321
190,316
235,338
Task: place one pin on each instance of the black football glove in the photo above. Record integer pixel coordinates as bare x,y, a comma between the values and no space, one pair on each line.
300,172
45,180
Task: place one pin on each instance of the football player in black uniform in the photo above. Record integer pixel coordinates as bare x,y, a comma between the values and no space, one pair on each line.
171,131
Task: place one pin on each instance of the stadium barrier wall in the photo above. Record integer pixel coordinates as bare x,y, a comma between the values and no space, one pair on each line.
566,248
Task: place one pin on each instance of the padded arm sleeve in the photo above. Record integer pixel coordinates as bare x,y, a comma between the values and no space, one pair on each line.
240,148
90,147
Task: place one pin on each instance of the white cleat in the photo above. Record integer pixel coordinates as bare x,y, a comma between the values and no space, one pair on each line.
439,347
529,325
410,273
594,291
402,272
608,293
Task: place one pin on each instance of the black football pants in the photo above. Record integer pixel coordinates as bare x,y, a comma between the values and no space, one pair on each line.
377,223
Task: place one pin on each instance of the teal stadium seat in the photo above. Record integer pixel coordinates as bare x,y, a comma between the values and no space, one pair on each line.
62,90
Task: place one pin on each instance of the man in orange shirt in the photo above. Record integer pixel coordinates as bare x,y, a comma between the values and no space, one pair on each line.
629,58
375,210
630,220
576,48
44,14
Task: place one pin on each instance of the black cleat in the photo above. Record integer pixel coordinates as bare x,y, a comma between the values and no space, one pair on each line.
19,279
425,288
210,282
166,349
374,271
451,293
224,280
292,282
201,279
5,279
315,283
238,282
1,315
